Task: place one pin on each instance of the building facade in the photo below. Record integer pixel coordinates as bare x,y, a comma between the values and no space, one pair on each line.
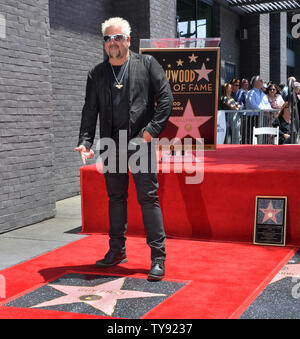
46,50
251,43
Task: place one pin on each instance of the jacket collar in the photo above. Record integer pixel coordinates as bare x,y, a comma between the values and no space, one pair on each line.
133,60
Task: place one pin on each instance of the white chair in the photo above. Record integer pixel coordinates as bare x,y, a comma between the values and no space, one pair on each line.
274,131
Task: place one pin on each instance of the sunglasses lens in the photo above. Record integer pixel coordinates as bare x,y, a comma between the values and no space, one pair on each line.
116,37
119,37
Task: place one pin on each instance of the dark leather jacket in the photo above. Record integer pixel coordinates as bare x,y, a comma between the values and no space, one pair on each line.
147,83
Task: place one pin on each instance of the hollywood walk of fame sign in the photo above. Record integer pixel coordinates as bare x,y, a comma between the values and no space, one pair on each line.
193,74
270,221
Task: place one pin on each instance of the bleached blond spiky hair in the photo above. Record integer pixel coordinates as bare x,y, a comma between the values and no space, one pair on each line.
117,22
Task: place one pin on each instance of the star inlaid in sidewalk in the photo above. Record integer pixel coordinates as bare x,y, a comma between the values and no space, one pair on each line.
288,271
103,297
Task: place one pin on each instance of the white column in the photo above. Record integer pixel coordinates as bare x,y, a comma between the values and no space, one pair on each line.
2,27
264,45
283,49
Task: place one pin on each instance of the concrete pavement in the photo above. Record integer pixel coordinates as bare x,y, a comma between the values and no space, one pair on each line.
28,242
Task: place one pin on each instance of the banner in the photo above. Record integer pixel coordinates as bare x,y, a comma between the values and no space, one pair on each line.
221,129
193,74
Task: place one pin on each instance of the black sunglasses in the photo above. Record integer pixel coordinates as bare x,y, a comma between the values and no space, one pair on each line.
116,37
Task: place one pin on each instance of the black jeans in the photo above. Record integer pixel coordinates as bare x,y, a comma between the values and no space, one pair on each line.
146,187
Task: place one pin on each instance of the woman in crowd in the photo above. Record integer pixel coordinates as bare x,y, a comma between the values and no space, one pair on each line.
227,102
274,97
283,120
233,119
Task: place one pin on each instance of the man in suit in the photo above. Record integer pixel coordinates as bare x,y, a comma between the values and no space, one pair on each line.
123,90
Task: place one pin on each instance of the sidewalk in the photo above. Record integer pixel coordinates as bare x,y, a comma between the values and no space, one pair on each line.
28,242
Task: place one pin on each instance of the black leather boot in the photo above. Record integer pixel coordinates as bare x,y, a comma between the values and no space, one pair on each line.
157,271
112,259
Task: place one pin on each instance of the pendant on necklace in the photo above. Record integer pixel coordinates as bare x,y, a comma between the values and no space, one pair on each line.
119,86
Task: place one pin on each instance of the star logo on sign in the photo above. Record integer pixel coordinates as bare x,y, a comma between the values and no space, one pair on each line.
103,297
188,123
180,62
270,213
193,58
203,72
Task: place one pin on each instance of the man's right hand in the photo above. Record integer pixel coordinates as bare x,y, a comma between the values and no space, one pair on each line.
85,153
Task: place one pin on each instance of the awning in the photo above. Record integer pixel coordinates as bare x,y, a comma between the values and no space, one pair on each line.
263,6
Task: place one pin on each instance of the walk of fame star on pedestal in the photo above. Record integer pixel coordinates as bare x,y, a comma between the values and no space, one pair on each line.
188,124
270,220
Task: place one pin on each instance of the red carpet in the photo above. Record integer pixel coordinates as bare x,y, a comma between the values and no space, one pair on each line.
222,207
221,279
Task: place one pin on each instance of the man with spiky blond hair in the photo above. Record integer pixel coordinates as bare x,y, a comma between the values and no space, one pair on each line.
123,90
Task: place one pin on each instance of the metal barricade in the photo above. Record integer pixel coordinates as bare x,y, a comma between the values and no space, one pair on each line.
239,125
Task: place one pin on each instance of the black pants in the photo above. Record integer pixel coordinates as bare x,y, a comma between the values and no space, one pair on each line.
146,187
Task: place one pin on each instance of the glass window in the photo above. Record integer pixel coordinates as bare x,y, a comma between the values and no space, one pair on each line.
194,19
290,42
229,71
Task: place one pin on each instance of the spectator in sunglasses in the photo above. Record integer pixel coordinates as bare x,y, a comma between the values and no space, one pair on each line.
275,99
256,98
239,91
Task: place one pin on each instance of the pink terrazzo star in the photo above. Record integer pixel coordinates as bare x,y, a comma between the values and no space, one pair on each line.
203,72
270,213
103,297
288,271
188,123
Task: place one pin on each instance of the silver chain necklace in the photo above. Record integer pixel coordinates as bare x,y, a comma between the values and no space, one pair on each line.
119,84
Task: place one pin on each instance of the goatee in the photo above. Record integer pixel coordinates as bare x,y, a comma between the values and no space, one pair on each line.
116,55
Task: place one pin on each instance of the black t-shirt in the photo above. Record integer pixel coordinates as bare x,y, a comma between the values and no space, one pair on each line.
120,100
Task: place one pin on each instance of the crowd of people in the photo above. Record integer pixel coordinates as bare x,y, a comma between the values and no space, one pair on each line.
259,95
